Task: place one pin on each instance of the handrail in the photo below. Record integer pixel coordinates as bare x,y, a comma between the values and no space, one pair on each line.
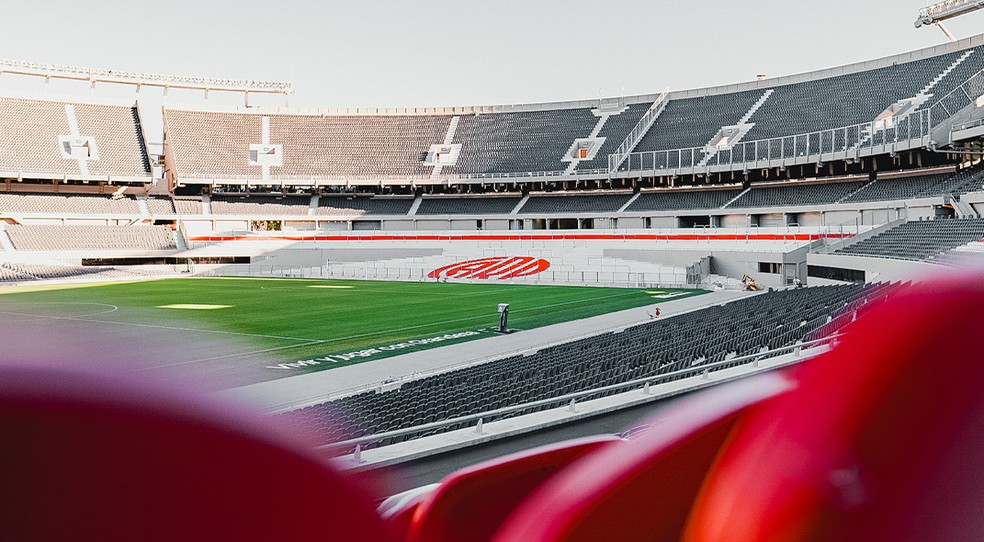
964,87
915,126
640,130
565,399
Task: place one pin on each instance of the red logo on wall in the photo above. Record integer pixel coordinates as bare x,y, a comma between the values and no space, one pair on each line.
503,268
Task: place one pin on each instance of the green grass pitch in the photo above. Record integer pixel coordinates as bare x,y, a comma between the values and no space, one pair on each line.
303,320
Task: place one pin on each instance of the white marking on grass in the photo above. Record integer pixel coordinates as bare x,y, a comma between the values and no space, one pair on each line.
333,287
195,307
110,308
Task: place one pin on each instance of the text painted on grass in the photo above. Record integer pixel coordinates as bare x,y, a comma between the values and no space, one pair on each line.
375,351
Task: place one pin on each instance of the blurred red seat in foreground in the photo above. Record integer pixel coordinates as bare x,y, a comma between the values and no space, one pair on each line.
469,505
87,458
642,489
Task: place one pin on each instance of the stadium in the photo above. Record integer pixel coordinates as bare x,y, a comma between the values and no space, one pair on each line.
706,314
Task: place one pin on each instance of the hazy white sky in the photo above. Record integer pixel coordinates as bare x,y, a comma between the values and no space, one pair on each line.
394,53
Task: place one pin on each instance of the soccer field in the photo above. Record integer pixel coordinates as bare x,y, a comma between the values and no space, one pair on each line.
318,324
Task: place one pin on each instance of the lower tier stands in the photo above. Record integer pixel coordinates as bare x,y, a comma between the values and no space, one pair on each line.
244,205
901,188
51,237
355,206
797,194
185,206
968,180
919,240
158,205
90,204
23,272
687,341
603,203
675,200
501,205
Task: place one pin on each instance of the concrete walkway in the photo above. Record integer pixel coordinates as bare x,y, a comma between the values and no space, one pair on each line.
302,390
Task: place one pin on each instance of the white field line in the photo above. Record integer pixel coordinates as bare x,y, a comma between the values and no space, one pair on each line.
312,342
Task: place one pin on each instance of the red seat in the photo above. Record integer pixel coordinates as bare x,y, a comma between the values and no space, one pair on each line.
469,505
642,489
93,458
398,511
884,440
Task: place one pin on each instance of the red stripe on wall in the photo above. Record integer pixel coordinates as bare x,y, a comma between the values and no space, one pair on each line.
531,237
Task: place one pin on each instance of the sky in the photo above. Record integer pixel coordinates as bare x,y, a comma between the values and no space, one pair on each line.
389,53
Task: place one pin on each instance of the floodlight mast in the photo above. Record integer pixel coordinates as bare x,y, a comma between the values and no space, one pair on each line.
950,9
96,75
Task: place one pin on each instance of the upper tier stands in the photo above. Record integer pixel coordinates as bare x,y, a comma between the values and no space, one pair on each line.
50,237
216,145
33,129
615,130
685,341
521,142
693,122
855,98
919,240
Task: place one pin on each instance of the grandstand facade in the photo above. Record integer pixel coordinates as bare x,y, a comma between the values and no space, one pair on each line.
811,162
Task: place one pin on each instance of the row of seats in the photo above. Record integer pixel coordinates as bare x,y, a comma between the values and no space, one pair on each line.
688,341
500,205
604,203
21,272
920,239
32,128
56,237
797,194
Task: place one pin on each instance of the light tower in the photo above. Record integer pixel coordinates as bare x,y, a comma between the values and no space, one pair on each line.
937,13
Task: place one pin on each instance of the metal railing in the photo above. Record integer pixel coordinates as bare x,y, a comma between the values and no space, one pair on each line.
342,447
850,142
670,277
639,131
967,93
